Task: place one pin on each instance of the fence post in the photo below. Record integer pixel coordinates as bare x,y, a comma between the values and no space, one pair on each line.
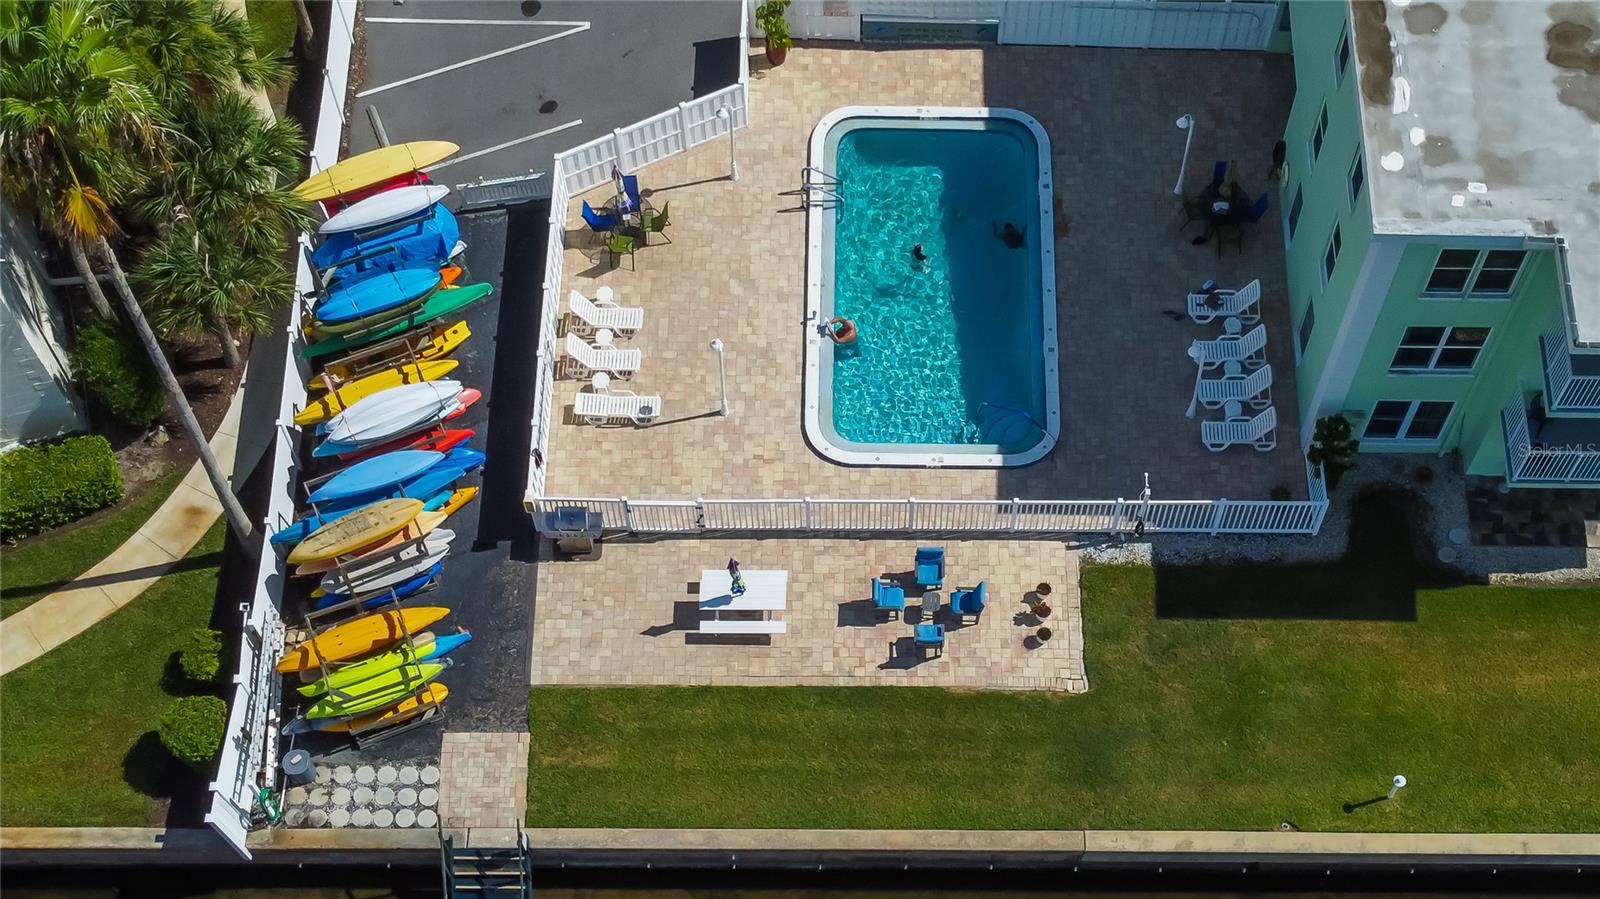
1016,513
1218,510
805,508
616,139
627,516
1116,516
911,513
683,125
700,512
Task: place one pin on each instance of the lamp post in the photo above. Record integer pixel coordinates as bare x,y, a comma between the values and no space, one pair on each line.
722,374
1186,122
723,115
1396,784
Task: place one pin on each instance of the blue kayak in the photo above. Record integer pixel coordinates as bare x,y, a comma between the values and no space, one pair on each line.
429,484
378,292
375,474
415,244
443,646
401,590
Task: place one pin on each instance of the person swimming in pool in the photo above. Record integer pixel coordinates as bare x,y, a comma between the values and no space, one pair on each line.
1012,238
917,256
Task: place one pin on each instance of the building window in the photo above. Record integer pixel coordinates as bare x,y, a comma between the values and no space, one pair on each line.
1358,177
1319,133
1294,211
1421,420
1498,272
1341,58
1439,349
1491,273
1307,323
1330,258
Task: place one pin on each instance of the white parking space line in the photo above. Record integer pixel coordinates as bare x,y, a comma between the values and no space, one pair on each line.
584,26
550,24
510,143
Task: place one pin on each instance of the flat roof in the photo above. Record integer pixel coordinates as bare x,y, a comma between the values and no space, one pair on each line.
1482,117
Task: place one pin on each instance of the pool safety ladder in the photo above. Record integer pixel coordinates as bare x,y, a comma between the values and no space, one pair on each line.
819,187
1004,424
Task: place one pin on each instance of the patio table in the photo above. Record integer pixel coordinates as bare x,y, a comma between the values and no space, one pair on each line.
765,592
930,604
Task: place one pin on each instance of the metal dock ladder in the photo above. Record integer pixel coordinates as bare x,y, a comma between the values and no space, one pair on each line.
506,872
819,188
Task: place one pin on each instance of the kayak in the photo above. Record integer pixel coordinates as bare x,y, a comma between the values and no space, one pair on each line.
356,638
391,412
374,474
427,241
434,484
463,401
438,342
415,561
428,648
378,691
399,591
385,207
372,167
439,441
458,497
331,404
427,698
424,524
374,295
440,304
355,530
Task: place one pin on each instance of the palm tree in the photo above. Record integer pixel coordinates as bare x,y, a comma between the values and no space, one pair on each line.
199,284
192,52
76,119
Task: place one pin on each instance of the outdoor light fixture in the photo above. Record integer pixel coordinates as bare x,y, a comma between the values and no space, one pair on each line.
724,115
722,374
1186,122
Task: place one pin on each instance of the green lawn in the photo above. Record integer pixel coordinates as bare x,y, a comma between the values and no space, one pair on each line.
275,20
77,727
1307,689
29,572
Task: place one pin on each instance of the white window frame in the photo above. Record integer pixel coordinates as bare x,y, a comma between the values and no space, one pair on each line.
1341,58
1466,291
1400,438
1359,166
1438,348
1336,244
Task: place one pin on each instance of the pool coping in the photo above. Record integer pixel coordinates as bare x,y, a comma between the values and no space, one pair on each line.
817,435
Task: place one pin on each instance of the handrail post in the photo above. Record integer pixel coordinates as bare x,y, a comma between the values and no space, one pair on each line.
1116,516
683,126
911,513
805,510
700,513
627,516
1218,510
1016,513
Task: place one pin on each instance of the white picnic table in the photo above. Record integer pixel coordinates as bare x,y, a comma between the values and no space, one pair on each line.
766,591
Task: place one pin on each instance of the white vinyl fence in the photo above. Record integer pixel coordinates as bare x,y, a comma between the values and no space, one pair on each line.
1164,24
249,748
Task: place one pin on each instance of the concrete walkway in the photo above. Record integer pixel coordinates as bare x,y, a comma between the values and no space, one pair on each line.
140,561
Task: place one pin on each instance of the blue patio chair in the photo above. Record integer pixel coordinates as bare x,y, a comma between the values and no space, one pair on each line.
965,603
599,222
929,636
1256,210
1219,171
930,566
630,187
888,597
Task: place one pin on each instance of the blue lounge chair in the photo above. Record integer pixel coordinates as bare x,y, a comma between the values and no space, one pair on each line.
630,188
964,603
599,222
930,566
929,636
887,597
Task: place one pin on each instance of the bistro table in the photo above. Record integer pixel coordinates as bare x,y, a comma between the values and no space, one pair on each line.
765,592
930,605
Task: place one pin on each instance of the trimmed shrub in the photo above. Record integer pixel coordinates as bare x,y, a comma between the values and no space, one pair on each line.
118,374
200,656
191,728
49,484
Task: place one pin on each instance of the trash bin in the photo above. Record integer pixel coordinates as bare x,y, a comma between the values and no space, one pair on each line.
298,768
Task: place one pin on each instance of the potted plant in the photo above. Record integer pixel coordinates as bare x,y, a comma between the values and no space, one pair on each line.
1043,589
1333,449
769,16
1041,609
1044,634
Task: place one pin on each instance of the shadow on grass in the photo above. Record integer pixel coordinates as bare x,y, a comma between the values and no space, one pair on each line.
1377,579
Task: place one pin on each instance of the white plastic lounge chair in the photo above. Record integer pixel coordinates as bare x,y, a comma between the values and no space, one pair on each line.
617,405
582,359
1236,428
592,316
1248,349
1254,388
1245,303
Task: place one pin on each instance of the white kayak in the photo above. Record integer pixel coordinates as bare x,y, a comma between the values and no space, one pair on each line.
394,411
389,206
394,568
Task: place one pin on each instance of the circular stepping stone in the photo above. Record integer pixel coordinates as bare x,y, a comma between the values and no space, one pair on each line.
388,774
406,796
343,774
383,818
405,818
409,774
316,818
426,818
296,796
318,796
338,818
361,818
323,774
361,796
383,796
294,817
340,798
429,797
430,775
366,774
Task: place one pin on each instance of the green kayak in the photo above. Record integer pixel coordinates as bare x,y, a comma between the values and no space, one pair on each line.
443,302
378,691
350,675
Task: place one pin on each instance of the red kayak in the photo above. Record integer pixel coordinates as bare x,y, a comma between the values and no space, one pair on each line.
438,441
334,205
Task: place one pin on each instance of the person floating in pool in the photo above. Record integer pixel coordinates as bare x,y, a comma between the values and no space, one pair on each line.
917,256
841,331
1012,238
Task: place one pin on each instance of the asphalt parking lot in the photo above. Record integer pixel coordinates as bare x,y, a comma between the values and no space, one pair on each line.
514,83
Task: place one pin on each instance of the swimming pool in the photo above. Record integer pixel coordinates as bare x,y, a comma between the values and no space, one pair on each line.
955,361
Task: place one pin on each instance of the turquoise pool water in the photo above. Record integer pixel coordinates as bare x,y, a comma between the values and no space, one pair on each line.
950,351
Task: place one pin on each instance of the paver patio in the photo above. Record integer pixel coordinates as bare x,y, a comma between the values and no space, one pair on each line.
735,270
632,617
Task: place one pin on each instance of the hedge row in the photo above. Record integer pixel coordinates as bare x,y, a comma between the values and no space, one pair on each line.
49,484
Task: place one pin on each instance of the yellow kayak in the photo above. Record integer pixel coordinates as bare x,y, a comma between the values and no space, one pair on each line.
349,533
369,168
419,527
436,343
331,404
364,635
459,498
410,707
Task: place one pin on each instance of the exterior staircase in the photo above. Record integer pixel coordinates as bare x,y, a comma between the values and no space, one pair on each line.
483,871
